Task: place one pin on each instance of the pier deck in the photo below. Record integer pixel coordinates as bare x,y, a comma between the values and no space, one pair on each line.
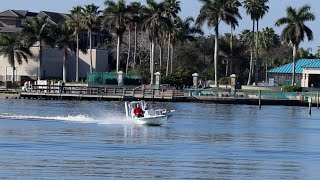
101,93
48,92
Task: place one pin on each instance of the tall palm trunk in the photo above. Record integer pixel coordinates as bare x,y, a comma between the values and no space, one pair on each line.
294,56
13,69
64,66
90,46
216,51
171,58
135,45
251,58
168,58
256,79
129,50
118,54
160,56
40,60
77,60
231,51
150,53
153,44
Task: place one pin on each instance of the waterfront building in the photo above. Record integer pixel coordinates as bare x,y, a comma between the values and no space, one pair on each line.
11,21
307,73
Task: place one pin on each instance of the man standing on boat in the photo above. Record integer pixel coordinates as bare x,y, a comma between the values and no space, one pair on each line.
138,111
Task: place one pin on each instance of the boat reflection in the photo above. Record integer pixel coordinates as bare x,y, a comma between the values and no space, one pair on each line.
136,134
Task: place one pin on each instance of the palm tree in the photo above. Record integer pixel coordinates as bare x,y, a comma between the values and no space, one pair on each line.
153,22
172,8
213,12
182,32
131,23
136,11
38,31
16,48
115,15
175,32
268,39
90,20
161,40
237,50
75,23
256,9
234,5
65,41
295,29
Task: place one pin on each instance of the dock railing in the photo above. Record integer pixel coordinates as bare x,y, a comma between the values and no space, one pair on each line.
252,94
106,91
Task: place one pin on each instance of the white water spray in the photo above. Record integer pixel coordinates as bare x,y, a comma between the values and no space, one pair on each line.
106,118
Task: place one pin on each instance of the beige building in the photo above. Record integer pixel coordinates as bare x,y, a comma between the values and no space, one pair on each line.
52,65
12,21
311,77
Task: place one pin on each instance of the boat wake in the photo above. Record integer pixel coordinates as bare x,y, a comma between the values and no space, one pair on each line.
80,118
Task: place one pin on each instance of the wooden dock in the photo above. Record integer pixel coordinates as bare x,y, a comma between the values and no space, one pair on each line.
101,93
250,101
47,92
5,93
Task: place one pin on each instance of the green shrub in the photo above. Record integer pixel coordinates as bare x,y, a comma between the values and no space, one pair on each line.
292,88
128,81
111,81
225,80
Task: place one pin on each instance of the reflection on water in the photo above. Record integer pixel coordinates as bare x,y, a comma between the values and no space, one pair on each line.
141,134
88,140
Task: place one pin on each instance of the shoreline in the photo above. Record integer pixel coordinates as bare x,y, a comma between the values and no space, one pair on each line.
194,99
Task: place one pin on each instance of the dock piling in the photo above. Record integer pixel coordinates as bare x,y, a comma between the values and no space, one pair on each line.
259,99
310,105
318,100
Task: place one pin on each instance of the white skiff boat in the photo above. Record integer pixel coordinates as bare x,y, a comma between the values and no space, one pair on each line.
152,117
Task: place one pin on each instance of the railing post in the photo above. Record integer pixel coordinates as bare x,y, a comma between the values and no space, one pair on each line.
310,105
318,100
259,99
162,91
152,93
124,92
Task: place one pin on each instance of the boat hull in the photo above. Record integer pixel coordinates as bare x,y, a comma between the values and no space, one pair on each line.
152,120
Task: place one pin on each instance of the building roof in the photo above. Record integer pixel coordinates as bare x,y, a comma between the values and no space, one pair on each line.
300,64
9,13
53,16
9,30
17,13
25,13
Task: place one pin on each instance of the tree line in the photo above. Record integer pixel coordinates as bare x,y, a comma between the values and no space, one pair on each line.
153,37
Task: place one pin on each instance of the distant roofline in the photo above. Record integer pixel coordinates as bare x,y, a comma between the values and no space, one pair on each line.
16,12
287,68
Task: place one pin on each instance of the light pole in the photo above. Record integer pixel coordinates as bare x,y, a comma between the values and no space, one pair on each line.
266,70
7,76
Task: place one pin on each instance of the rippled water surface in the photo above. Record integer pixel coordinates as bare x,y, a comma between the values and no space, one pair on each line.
93,140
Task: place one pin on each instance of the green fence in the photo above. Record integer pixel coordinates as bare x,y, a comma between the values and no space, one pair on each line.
103,78
288,83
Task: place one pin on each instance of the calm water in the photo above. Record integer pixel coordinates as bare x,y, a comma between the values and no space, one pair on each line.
92,140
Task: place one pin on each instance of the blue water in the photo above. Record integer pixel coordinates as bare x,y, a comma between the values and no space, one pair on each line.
93,140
